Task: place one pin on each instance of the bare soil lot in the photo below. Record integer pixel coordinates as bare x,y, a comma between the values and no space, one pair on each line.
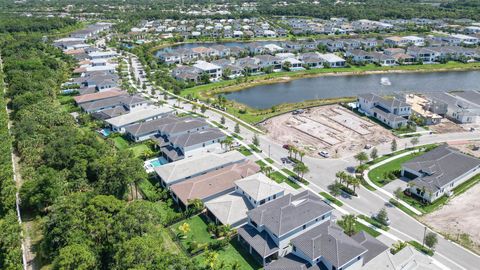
468,147
446,126
459,216
332,128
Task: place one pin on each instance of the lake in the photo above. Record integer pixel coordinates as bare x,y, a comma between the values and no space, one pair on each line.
266,96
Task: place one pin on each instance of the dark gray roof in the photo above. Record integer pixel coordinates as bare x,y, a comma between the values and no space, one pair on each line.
289,212
113,101
260,242
147,127
197,137
440,166
109,113
472,96
374,246
292,262
184,125
387,102
328,241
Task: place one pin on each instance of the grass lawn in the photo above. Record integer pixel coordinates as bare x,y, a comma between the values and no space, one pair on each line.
374,222
260,163
294,175
419,247
280,178
120,143
424,208
232,253
139,149
198,231
235,135
255,148
401,207
168,243
269,160
331,198
360,227
245,151
377,175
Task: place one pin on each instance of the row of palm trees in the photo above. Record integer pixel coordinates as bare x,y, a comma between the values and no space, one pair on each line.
347,180
295,151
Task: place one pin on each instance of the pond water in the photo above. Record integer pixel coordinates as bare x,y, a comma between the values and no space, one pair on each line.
266,96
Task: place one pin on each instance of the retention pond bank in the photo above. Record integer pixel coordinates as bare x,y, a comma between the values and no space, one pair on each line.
323,87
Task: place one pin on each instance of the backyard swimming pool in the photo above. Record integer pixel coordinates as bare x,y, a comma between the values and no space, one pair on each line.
157,162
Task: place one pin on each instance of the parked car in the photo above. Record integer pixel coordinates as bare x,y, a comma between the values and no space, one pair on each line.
324,154
286,146
368,146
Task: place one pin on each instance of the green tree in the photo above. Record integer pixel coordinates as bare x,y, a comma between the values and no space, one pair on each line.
255,140
393,146
431,240
335,189
75,256
203,108
301,169
222,120
414,141
361,157
382,216
348,224
237,128
374,154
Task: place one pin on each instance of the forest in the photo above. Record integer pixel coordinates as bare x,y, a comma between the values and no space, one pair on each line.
75,184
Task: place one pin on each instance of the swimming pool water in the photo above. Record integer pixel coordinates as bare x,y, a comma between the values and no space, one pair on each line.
158,162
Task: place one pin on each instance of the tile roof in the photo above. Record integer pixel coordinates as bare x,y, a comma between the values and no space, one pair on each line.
260,242
185,124
206,162
214,182
197,137
98,96
230,208
293,262
372,244
143,128
259,186
289,212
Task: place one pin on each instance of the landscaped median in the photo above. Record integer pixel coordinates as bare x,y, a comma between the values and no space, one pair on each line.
331,199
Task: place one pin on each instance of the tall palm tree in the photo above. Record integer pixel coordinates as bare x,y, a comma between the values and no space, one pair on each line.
349,224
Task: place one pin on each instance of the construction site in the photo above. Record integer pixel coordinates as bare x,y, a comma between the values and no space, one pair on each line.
331,128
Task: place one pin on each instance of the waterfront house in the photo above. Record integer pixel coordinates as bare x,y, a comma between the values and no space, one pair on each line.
214,71
333,60
439,171
392,112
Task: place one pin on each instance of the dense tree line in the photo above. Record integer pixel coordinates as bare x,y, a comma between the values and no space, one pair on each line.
10,242
76,183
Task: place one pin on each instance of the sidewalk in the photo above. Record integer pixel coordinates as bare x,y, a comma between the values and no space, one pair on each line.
380,189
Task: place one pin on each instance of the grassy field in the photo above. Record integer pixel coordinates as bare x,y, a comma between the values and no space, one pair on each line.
139,149
198,231
232,253
280,178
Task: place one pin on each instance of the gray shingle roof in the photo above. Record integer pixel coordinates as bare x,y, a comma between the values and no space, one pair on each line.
374,246
197,137
440,166
292,262
150,126
184,125
113,101
260,242
328,241
289,212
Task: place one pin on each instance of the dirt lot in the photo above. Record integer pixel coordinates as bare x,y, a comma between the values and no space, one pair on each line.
446,126
459,216
468,147
331,128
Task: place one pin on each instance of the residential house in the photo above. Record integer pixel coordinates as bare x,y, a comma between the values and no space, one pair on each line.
187,142
437,172
424,55
119,123
333,60
420,110
98,96
392,112
212,184
131,102
214,71
267,61
145,130
396,41
459,109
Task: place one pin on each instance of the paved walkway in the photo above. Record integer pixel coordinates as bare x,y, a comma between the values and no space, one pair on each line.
380,189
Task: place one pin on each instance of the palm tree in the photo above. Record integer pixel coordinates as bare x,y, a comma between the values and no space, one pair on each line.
267,170
228,142
301,153
355,183
300,169
361,157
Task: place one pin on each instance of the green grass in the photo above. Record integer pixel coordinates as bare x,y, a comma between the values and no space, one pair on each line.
366,185
331,199
120,143
424,208
466,185
168,243
360,227
139,149
419,247
280,178
374,222
235,135
230,254
148,190
198,231
255,148
377,175
261,163
402,207
245,151
269,160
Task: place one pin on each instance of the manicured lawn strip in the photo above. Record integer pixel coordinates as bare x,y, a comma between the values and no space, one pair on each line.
294,175
377,174
421,248
360,227
230,254
120,143
245,151
331,198
374,222
466,185
198,231
269,160
366,185
280,178
401,207
139,149
235,135
261,163
255,148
